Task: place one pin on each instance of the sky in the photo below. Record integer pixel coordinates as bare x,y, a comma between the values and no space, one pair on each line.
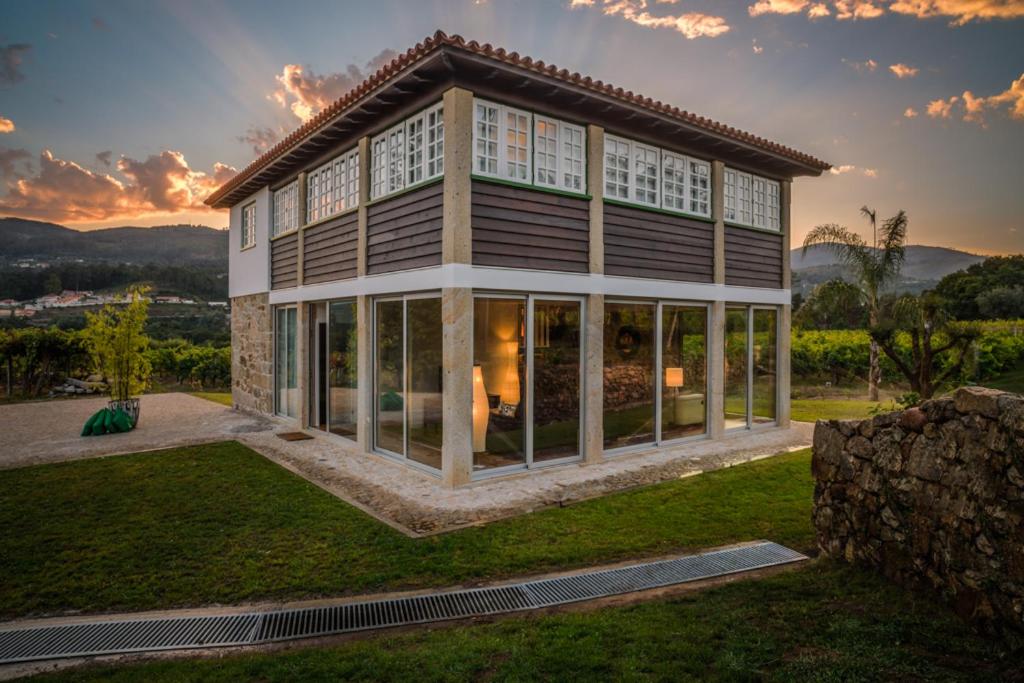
130,113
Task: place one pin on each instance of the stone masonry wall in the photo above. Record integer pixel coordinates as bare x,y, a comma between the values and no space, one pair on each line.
252,354
932,496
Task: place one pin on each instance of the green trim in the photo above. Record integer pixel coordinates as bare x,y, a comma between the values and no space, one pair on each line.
657,209
528,186
405,190
754,228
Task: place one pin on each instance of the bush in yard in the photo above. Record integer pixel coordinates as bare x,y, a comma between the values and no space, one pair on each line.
117,344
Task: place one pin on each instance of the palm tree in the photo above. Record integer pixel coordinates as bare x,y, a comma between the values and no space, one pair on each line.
875,265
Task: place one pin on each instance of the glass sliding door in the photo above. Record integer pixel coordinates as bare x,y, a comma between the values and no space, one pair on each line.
424,372
683,371
342,358
736,367
557,336
629,374
527,367
389,373
286,363
764,357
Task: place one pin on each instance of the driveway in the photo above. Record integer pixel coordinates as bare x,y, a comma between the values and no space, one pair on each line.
48,431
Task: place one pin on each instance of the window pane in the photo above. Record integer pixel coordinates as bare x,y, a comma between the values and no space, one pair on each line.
499,382
629,334
342,368
424,368
556,368
735,367
683,367
389,371
765,357
286,378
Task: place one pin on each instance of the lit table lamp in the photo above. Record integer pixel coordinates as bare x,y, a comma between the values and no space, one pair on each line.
687,409
481,411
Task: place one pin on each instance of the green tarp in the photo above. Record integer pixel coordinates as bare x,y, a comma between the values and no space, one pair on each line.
108,421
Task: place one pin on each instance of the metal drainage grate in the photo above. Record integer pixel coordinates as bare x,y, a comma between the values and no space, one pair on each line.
173,633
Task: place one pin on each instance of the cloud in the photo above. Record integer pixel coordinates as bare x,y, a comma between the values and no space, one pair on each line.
305,93
10,157
845,169
66,192
910,113
976,108
261,139
104,157
857,9
11,57
777,7
690,24
818,10
6,125
941,109
758,49
871,172
960,12
868,65
903,70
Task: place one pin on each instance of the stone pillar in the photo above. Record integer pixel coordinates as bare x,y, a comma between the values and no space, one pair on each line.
252,354
786,314
593,380
457,392
364,372
718,214
364,198
456,233
595,186
716,370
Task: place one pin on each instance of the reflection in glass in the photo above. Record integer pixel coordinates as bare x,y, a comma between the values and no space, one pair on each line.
683,368
342,368
765,344
423,364
286,371
735,367
556,379
389,394
629,359
499,382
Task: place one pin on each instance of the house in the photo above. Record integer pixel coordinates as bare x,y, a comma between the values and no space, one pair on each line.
479,264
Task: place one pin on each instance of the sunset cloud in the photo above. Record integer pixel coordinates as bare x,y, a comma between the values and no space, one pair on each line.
910,113
941,109
777,7
261,139
845,169
9,158
867,65
66,192
104,157
959,12
857,9
6,125
692,25
305,93
11,57
974,109
904,71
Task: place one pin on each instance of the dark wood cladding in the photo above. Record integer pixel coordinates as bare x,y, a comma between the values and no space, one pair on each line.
284,262
640,243
520,228
405,232
753,258
329,250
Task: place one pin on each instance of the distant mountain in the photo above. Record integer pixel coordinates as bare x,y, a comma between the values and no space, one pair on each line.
170,244
923,268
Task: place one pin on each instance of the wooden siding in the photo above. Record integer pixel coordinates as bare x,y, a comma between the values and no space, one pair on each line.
405,232
521,228
284,262
329,250
753,258
640,243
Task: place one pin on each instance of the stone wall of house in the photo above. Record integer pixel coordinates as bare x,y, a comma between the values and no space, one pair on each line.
252,354
932,496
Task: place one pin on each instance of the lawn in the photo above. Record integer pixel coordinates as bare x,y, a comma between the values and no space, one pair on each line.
822,623
221,397
811,409
220,523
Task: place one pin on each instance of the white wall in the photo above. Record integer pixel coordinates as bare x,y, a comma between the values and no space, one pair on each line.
249,270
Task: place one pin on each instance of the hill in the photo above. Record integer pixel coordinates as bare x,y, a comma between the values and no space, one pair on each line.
923,268
170,244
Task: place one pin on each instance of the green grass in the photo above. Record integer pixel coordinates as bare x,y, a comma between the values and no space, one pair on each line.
220,523
221,397
1009,381
811,409
821,623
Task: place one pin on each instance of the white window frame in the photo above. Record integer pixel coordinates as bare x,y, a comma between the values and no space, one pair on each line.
753,201
248,228
567,154
675,196
286,209
620,150
502,129
331,189
408,154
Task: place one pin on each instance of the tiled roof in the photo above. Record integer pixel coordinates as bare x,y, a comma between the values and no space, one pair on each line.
441,39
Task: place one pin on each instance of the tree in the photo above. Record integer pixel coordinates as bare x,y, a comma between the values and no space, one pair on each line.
938,346
962,289
1002,303
874,266
117,343
52,284
833,305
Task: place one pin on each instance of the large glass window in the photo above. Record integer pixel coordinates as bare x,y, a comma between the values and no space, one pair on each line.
684,371
408,383
526,381
751,361
736,364
286,383
752,200
408,153
765,358
333,188
286,209
629,373
342,363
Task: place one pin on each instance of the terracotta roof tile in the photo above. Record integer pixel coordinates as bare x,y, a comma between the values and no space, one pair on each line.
440,39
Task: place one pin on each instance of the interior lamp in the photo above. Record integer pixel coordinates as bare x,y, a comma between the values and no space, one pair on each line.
481,411
510,390
674,377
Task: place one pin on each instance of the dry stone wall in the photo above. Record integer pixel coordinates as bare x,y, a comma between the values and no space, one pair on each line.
932,496
252,354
